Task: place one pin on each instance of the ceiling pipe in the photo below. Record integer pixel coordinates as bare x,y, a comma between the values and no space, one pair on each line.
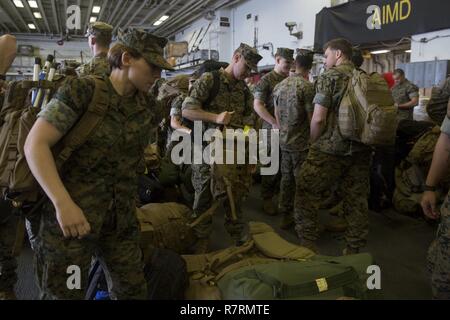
47,25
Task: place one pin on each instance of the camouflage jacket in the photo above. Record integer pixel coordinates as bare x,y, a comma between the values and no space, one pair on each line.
97,66
403,93
293,98
264,91
330,88
103,172
233,95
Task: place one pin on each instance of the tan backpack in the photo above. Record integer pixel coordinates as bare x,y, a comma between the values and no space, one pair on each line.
166,226
367,113
265,246
17,117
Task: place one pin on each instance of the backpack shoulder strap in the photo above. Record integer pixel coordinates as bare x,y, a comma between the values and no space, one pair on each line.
215,88
88,122
272,245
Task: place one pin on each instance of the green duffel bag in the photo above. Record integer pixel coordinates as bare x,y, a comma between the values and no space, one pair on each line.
320,277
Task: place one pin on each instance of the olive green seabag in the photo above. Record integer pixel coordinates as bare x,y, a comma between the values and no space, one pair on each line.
320,277
367,113
268,267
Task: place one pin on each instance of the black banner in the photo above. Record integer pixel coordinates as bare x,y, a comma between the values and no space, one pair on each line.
369,21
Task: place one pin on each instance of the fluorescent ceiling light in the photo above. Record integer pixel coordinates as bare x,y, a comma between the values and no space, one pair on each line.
96,9
93,19
408,51
157,23
163,18
37,15
380,51
18,3
31,26
33,4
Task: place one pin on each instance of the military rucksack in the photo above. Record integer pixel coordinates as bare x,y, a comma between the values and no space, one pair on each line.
268,267
166,226
367,113
17,117
437,106
410,175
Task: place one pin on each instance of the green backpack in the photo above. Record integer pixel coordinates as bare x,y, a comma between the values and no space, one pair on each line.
324,278
267,267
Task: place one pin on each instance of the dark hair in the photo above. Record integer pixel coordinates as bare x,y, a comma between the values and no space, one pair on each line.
340,44
357,58
116,52
399,72
209,66
103,40
304,60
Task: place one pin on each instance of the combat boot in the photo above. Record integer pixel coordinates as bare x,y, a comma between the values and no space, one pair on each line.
349,251
311,245
269,208
7,295
335,224
201,246
287,222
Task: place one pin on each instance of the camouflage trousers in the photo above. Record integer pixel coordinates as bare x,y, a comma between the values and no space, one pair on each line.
439,256
270,184
318,175
291,162
203,182
114,237
8,263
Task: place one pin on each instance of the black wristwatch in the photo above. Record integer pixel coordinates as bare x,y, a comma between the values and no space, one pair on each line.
2,77
429,188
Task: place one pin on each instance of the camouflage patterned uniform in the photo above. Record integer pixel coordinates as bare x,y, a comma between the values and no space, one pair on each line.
403,93
232,96
97,66
8,263
293,97
332,160
264,91
439,252
101,177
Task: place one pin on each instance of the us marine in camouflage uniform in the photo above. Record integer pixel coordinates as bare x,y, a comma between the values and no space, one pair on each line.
439,252
231,105
99,37
91,208
293,110
405,94
8,221
263,105
332,159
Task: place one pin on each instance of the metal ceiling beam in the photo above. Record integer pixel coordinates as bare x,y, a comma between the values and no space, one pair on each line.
17,13
152,11
11,20
184,11
135,14
5,27
55,17
28,9
133,4
88,14
113,14
172,5
81,15
181,17
103,9
44,16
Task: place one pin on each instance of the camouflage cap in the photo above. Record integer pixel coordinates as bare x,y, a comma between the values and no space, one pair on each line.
150,46
286,53
250,55
99,27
